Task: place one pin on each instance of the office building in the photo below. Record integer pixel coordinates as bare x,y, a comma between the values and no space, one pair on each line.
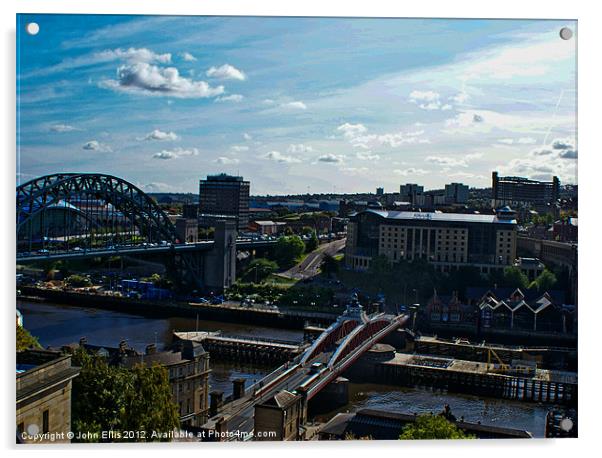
456,193
518,191
447,240
224,197
409,192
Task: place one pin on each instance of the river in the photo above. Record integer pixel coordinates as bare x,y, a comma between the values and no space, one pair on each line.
57,325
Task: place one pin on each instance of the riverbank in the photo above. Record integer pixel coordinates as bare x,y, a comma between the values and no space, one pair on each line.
229,313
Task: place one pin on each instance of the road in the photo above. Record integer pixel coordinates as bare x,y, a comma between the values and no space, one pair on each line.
310,266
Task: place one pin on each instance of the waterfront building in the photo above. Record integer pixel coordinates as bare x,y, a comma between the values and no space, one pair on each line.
447,240
224,196
519,191
282,415
44,381
188,366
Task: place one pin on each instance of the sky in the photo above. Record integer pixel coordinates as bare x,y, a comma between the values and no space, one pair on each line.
296,105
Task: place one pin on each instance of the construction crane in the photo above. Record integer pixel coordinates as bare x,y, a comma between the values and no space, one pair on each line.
502,368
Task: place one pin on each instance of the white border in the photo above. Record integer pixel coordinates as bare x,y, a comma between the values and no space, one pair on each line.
590,195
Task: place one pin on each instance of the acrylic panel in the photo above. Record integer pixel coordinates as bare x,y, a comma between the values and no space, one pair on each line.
288,228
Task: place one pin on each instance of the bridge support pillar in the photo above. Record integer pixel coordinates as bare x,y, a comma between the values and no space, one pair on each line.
220,263
334,395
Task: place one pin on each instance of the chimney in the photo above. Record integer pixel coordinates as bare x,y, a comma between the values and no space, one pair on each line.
238,388
151,349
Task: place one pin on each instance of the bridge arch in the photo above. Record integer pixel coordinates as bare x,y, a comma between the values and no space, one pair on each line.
109,205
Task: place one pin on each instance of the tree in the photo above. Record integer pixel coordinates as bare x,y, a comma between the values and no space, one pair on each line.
287,250
329,265
545,281
259,269
25,340
431,426
109,398
515,278
312,243
148,404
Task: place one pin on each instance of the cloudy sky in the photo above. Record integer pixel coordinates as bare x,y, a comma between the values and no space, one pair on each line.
296,105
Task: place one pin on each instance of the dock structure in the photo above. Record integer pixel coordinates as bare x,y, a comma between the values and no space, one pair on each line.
546,357
243,348
454,375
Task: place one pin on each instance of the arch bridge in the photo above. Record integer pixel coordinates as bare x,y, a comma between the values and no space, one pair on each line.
71,215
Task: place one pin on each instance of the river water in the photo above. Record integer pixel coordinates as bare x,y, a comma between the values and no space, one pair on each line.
57,325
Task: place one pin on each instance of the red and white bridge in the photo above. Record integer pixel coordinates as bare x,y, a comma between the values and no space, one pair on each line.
335,350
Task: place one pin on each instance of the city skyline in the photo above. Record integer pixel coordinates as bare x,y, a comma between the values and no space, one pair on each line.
293,104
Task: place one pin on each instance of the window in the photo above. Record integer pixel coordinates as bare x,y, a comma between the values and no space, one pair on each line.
45,421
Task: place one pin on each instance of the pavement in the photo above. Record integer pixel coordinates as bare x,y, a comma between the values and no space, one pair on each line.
310,266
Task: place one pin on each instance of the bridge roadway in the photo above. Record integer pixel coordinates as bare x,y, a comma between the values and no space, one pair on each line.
241,244
300,375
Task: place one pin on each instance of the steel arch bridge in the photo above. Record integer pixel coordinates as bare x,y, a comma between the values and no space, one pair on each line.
69,210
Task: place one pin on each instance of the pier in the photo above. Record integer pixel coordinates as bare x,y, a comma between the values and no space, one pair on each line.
244,349
455,375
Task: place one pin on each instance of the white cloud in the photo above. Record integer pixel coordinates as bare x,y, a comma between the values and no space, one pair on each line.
226,160
352,130
331,158
62,128
147,79
428,100
160,135
520,141
460,97
410,171
157,187
558,158
95,145
247,137
279,157
176,153
296,105
134,55
298,149
357,135
239,148
230,98
448,161
367,156
226,72
188,57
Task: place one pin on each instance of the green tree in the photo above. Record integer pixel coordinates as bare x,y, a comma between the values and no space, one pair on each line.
259,269
312,243
432,427
545,281
148,404
515,278
329,265
287,250
25,340
113,398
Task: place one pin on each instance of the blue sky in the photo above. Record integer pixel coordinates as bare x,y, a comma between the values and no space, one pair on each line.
296,104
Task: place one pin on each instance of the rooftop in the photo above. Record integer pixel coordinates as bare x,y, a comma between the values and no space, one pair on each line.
435,216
